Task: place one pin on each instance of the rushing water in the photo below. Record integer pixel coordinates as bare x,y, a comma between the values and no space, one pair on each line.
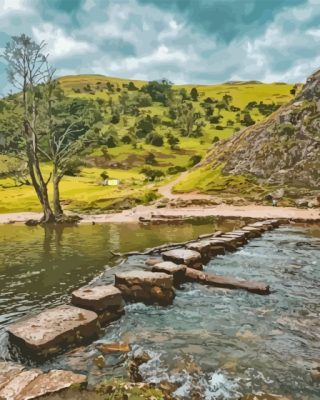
221,343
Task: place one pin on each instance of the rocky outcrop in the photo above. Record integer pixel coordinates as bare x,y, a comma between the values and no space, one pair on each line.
105,300
147,287
53,329
283,150
18,383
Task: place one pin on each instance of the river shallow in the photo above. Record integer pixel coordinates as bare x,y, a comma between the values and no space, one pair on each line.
219,342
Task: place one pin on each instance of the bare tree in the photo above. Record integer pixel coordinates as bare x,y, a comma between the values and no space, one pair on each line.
28,68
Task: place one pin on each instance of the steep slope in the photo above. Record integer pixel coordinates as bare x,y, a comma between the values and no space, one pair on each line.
283,150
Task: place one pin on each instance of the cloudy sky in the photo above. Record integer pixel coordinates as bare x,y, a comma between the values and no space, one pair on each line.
186,41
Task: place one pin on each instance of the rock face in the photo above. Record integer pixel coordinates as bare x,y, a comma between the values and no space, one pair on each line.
31,384
283,149
105,300
147,287
186,257
52,329
177,271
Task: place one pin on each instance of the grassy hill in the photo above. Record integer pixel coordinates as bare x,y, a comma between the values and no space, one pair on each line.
124,160
282,151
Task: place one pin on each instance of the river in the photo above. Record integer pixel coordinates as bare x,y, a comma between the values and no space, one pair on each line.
221,343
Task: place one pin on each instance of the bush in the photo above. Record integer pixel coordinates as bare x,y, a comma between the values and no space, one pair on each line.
195,159
155,139
215,139
73,167
150,159
152,174
144,126
176,169
126,139
219,128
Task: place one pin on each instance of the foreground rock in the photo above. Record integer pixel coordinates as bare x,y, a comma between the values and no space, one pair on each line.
33,383
148,287
226,282
53,329
177,271
105,300
187,257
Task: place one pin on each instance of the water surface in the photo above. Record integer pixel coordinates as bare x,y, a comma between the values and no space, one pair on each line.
221,343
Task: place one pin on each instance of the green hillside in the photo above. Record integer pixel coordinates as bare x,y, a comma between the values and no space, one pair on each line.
145,125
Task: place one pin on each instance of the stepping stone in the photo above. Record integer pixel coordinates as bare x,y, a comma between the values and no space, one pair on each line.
225,243
51,382
147,287
13,390
8,370
232,240
177,271
217,250
274,222
202,247
246,234
105,300
152,261
256,232
53,329
262,225
239,238
190,258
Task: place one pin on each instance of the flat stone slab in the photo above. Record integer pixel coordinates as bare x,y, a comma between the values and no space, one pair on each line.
8,370
145,286
98,298
13,389
54,328
251,229
262,225
187,257
226,282
51,382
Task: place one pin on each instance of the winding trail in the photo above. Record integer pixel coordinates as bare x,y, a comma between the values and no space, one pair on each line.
221,210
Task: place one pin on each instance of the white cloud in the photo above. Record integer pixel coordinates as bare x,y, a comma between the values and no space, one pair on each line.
59,44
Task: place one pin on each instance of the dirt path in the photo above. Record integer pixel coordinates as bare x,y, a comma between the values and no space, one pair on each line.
166,191
134,214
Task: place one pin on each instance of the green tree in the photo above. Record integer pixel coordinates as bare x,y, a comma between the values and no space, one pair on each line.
194,94
195,159
144,126
155,139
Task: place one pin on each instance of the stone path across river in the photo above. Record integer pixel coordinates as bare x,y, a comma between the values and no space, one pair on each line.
55,329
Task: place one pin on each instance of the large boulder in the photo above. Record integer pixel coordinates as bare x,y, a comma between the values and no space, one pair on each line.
53,329
147,287
190,258
177,271
105,300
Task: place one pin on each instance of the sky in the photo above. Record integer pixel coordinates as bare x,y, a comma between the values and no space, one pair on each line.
185,41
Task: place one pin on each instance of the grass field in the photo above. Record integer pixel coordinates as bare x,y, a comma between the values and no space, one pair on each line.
85,192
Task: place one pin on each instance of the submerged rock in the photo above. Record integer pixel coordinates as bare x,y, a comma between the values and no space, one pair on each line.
53,329
148,287
190,258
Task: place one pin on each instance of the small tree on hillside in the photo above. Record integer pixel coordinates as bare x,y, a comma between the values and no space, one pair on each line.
194,94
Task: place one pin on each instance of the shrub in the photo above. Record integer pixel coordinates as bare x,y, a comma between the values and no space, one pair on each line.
219,128
152,174
215,139
126,139
195,159
150,159
176,169
155,139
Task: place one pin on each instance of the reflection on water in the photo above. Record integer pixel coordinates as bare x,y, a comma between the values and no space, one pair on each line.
218,342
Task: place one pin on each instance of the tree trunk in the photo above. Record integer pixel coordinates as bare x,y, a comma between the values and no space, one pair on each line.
38,182
58,212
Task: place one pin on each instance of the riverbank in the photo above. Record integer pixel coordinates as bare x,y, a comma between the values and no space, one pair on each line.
145,212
